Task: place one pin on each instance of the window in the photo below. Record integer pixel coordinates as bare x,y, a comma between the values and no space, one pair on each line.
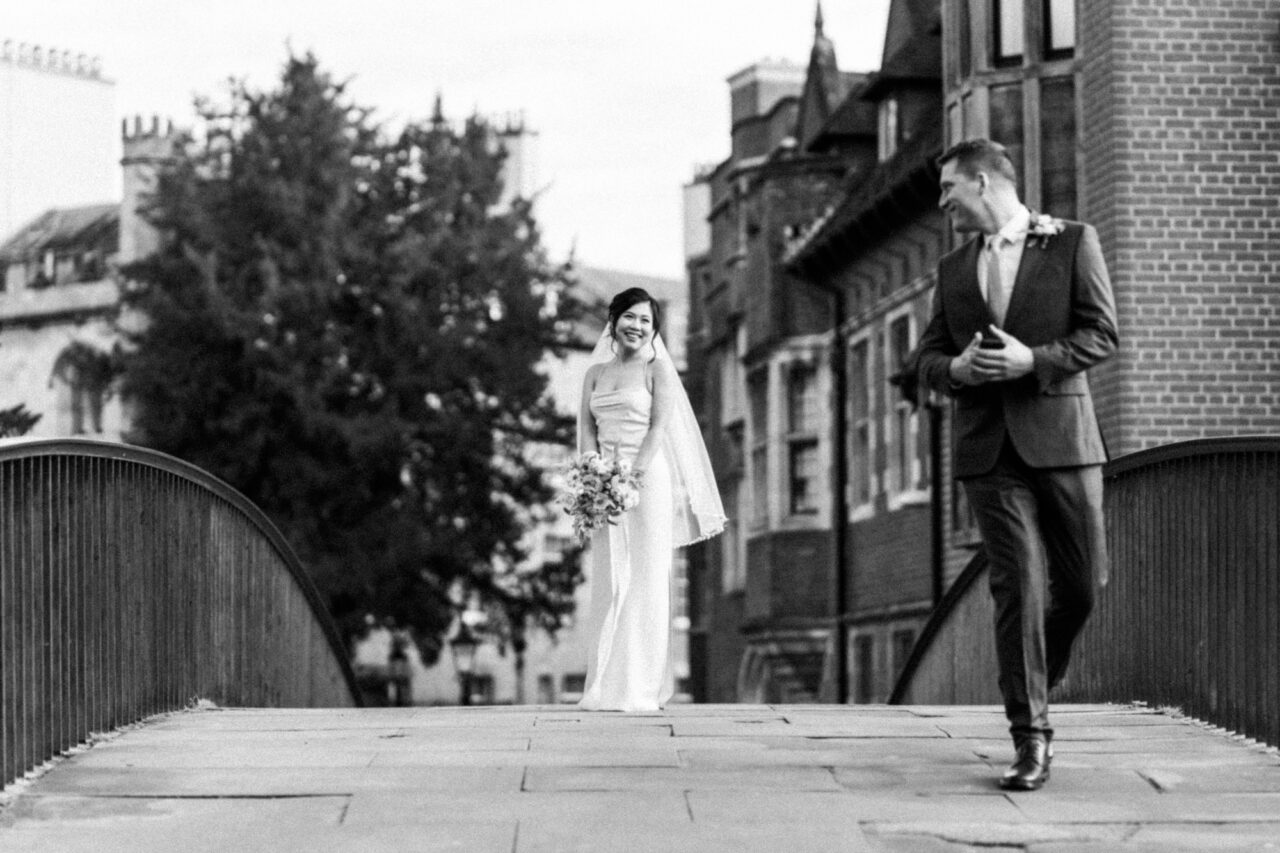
860,424
733,570
732,377
1058,147
1007,39
758,394
964,48
803,464
1059,27
571,686
887,135
902,426
864,656
904,640
546,689
802,399
482,689
802,439
1006,121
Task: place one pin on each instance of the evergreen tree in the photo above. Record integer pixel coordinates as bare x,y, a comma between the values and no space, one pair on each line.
16,421
344,325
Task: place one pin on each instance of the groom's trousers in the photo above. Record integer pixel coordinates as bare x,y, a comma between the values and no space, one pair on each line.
1046,547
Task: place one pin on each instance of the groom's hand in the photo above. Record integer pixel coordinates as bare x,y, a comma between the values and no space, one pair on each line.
1008,359
963,370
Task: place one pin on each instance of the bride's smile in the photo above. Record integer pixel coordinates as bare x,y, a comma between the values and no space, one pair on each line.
634,329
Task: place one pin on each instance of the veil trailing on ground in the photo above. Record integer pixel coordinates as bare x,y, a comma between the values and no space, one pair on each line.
699,513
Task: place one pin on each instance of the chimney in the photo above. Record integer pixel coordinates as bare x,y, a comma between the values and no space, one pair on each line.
753,93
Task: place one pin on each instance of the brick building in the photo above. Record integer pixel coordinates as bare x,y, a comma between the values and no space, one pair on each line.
877,250
760,595
1158,123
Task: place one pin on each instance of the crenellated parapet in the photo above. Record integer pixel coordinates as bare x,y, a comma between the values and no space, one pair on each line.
51,59
146,127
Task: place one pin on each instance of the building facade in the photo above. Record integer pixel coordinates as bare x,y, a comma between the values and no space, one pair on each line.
761,594
1157,124
60,299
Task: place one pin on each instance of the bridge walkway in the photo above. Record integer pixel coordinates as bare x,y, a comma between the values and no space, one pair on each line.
694,778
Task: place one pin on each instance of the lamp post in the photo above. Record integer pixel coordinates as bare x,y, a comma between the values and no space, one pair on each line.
463,646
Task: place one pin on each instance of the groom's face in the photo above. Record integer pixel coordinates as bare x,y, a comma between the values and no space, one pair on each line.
962,198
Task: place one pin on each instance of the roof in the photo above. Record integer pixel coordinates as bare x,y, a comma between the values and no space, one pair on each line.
63,228
912,44
854,117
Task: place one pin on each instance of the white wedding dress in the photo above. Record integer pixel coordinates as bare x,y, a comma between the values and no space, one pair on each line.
629,669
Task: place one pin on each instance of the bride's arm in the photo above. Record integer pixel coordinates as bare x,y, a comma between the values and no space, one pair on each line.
587,441
665,381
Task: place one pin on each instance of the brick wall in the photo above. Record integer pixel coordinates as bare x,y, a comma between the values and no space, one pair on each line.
1181,133
891,561
789,574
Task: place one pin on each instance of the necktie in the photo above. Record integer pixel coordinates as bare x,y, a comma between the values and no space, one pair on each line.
997,293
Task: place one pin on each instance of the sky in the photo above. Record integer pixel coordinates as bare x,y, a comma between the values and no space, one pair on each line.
627,100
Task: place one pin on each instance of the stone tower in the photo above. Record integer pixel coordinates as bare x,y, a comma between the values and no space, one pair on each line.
148,147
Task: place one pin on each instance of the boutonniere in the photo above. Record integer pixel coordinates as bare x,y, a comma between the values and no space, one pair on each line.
1044,226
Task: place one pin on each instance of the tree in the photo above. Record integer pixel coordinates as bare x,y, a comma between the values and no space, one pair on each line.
344,325
16,421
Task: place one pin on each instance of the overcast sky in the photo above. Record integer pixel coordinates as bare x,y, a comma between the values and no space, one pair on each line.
626,98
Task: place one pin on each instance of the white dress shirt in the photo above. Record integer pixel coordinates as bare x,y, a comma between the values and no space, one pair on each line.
1008,244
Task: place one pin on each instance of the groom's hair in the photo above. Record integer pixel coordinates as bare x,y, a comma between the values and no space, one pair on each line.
980,155
628,298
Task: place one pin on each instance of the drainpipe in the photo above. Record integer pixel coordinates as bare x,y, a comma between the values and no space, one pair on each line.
839,491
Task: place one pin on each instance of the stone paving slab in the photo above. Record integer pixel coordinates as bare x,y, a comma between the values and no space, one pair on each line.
705,779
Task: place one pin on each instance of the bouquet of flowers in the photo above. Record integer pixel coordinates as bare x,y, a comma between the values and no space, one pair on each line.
599,491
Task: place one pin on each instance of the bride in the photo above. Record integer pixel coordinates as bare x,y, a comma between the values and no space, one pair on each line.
634,407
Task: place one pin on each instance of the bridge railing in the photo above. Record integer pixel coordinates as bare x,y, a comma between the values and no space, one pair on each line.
1191,616
132,583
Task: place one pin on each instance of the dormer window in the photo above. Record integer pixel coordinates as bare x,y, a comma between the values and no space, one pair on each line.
888,133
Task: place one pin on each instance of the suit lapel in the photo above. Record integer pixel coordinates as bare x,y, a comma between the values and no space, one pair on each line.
976,312
1027,280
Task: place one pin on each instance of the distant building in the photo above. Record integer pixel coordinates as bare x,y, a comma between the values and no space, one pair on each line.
57,119
762,593
59,299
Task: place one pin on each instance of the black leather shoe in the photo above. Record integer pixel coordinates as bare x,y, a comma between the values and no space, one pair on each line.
1031,770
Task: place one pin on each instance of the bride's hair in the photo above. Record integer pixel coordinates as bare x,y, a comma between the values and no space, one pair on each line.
627,299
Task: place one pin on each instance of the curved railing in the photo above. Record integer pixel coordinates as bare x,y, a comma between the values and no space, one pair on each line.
1191,616
132,583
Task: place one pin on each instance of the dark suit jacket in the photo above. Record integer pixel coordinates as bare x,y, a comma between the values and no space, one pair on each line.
1062,308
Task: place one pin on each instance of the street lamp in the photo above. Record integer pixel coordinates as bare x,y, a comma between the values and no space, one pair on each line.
463,646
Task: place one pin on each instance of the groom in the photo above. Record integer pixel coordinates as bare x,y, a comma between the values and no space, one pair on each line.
1021,311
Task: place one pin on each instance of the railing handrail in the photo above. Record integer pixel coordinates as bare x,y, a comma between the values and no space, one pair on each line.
1190,449
27,448
1123,474
937,620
